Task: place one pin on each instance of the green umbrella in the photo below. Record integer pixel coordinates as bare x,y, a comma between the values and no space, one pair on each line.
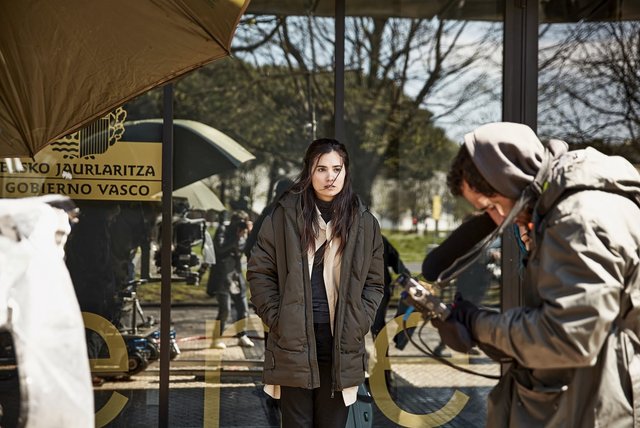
199,196
200,150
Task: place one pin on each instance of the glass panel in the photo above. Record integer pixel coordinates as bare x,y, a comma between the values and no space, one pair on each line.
588,76
414,88
114,181
418,76
414,85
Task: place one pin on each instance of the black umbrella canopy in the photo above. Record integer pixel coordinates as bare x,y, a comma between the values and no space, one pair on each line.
200,150
66,63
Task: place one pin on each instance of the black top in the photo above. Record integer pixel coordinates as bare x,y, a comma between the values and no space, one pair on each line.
318,291
326,210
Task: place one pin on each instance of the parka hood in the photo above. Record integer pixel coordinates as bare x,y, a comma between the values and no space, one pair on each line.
509,155
511,158
589,169
289,200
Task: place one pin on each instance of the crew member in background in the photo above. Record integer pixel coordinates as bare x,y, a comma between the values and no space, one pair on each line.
226,280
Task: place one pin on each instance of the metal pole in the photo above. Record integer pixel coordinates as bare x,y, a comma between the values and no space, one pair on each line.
165,254
338,103
520,63
519,104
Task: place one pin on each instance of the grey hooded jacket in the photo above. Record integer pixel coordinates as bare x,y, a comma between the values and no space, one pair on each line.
575,341
281,291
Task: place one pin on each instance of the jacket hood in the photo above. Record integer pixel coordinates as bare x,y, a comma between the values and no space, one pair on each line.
289,200
509,155
589,169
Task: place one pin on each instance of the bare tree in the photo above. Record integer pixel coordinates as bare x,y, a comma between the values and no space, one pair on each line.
589,87
402,76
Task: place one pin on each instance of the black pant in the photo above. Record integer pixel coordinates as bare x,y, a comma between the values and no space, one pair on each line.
302,407
380,319
224,308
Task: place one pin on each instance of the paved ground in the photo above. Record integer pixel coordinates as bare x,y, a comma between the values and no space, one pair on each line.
223,389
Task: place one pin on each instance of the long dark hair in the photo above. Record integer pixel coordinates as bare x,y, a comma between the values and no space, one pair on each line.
344,205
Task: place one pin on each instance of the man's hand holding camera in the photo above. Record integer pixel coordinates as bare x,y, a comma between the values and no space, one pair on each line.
456,331
454,322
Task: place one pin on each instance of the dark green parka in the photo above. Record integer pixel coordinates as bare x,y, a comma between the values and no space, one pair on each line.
280,286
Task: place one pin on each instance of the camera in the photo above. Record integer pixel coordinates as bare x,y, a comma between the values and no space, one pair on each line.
187,233
421,296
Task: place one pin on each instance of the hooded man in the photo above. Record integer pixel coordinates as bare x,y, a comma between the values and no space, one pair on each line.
573,345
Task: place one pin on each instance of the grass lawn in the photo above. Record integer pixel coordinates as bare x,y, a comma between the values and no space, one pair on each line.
412,246
180,292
